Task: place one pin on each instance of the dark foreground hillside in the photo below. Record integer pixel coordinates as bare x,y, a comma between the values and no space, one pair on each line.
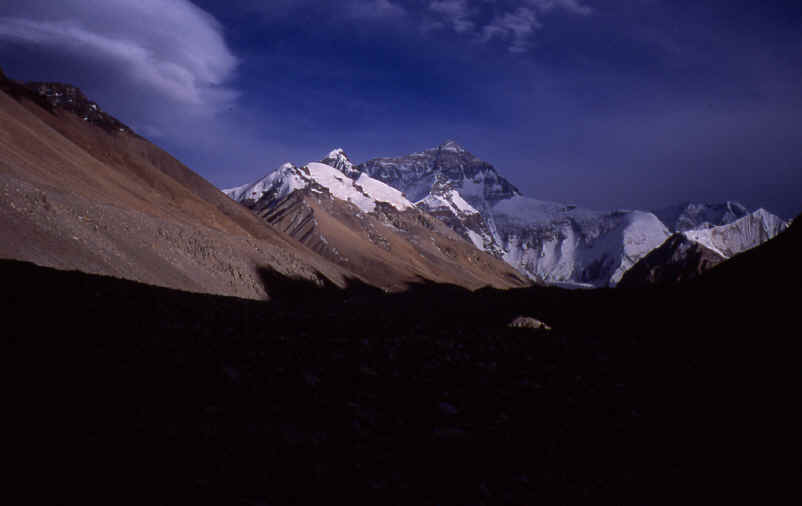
123,392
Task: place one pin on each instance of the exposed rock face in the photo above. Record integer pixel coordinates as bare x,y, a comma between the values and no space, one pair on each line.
544,240
71,99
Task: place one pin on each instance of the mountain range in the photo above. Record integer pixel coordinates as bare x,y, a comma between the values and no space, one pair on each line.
82,190
546,241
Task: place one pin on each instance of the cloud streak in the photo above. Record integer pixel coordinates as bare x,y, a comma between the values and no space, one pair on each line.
172,48
455,12
514,23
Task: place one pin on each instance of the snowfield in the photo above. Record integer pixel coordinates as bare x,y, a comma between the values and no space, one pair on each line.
740,235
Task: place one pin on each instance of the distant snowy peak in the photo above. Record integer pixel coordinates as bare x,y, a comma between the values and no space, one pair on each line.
565,244
279,183
339,160
740,235
364,192
416,174
689,216
544,240
451,146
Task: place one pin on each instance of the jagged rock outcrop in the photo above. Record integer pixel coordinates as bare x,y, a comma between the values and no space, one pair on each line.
70,98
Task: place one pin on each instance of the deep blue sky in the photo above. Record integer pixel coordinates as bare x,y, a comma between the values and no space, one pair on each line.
605,104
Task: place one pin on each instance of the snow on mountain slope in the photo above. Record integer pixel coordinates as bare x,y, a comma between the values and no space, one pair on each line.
282,181
339,160
562,244
381,192
364,193
691,216
339,185
740,235
450,200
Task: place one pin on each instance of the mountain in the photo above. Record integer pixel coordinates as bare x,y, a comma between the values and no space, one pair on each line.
558,243
339,160
81,190
686,255
740,235
689,216
677,259
368,227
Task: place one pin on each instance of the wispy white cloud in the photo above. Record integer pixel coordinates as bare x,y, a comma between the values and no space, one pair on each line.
455,12
516,27
512,22
171,48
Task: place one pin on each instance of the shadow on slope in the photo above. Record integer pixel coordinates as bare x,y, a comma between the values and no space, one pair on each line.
416,397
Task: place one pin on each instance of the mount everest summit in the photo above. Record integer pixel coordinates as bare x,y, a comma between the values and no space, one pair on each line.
549,241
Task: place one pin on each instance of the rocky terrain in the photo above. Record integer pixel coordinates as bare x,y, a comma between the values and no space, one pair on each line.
90,194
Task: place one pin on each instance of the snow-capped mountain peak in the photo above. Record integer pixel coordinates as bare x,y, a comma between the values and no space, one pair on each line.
339,160
740,235
451,145
690,215
364,192
280,182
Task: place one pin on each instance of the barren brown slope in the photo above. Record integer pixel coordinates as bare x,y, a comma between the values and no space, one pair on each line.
387,247
77,196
